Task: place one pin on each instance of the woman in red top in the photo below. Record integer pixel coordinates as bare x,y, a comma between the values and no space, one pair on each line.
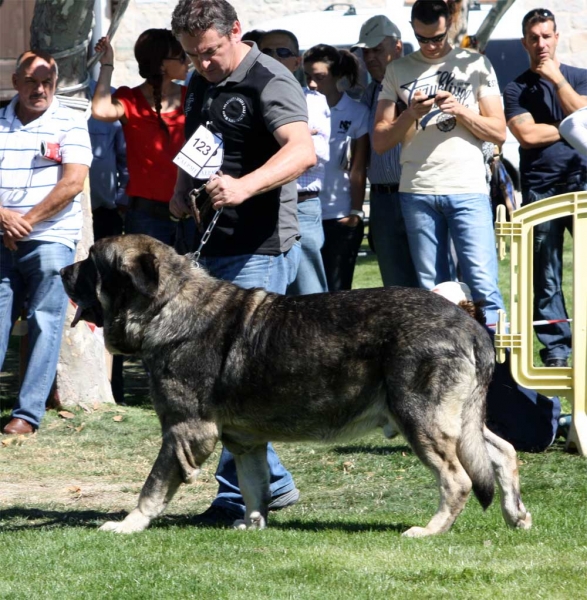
153,122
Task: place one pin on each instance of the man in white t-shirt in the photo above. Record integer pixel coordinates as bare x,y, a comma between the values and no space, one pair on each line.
45,154
452,105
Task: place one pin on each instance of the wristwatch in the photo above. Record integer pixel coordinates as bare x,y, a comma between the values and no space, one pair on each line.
359,213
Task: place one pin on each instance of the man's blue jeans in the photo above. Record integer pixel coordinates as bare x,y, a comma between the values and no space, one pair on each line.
31,274
549,300
311,277
388,232
432,221
274,273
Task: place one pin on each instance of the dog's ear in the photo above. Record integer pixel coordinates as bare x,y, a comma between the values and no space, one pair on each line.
144,274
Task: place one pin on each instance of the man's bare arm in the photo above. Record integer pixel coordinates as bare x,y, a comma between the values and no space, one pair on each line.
531,134
487,125
295,156
66,189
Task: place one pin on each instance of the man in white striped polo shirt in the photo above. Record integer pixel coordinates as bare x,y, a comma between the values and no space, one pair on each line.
45,154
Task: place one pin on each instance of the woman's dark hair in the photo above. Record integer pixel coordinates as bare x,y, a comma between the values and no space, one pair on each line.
430,11
341,63
152,47
192,16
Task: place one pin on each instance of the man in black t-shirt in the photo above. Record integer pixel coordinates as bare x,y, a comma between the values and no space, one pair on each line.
535,104
258,108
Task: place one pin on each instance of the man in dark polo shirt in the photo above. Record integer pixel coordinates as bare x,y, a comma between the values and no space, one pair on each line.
258,108
535,104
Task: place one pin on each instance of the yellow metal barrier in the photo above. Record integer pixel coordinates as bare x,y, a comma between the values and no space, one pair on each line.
569,382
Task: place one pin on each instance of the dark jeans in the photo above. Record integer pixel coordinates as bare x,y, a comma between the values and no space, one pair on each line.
549,300
339,253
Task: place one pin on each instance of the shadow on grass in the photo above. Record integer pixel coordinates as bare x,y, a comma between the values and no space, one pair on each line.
367,449
30,519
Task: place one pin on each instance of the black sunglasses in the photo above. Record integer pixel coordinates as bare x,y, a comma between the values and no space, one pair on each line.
279,52
536,13
430,40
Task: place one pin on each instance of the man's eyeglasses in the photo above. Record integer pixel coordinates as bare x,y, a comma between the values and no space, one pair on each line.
430,40
278,52
538,14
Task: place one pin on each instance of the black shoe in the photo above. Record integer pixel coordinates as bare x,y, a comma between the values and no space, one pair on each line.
222,516
556,362
217,516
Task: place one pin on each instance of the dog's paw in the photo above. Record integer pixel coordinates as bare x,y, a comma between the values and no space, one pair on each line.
255,521
133,523
525,523
416,532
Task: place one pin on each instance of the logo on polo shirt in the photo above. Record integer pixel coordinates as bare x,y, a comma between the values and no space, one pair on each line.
234,110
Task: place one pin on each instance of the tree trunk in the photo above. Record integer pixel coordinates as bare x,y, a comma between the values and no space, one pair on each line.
63,28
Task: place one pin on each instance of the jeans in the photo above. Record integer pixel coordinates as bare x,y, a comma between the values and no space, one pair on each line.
339,253
274,273
432,221
390,240
311,277
549,300
31,274
139,221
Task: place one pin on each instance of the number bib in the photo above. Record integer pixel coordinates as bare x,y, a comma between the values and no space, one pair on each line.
202,154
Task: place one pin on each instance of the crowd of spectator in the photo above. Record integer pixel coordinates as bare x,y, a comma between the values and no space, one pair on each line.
292,183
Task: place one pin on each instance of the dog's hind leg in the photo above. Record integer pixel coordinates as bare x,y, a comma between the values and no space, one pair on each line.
439,453
504,461
253,479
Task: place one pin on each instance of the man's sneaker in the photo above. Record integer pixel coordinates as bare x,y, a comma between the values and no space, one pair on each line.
222,516
284,500
217,516
564,424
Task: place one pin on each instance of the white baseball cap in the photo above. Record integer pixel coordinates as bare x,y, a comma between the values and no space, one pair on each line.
375,30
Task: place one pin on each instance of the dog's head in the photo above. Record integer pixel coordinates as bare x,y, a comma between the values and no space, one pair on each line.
121,286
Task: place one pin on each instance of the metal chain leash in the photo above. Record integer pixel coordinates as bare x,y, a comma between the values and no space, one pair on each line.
193,196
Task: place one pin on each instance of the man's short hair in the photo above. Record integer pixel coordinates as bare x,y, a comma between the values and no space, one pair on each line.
35,53
194,16
430,11
288,34
537,15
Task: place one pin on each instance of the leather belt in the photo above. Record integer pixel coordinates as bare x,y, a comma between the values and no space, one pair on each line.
154,208
303,196
385,188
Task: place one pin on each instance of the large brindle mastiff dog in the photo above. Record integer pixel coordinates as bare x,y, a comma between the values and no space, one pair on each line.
247,367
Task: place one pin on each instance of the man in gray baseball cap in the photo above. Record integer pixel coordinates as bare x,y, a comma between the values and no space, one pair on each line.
380,42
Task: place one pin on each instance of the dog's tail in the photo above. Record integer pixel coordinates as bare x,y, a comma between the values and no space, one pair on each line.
471,449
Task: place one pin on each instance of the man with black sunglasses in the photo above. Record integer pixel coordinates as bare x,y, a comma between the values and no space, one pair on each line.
535,104
283,46
453,105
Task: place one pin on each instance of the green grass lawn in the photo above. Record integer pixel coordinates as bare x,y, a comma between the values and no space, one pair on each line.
342,540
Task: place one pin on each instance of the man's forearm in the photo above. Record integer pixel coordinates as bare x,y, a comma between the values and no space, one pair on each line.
488,129
59,197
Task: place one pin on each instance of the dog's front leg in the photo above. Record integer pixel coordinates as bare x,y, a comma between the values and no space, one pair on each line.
161,485
253,479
